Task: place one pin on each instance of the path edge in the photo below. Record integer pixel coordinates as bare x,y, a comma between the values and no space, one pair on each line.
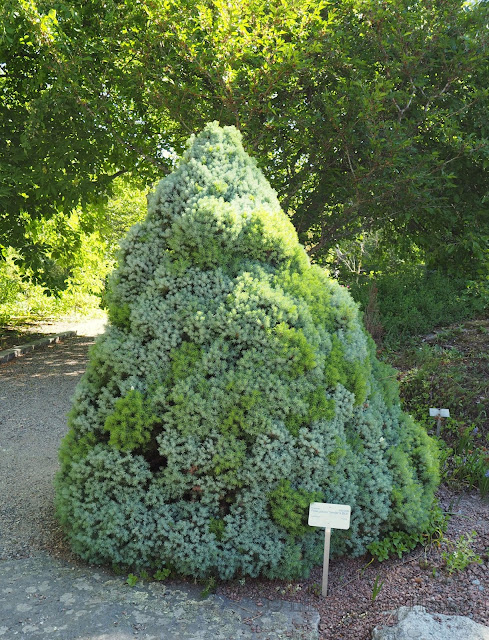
15,352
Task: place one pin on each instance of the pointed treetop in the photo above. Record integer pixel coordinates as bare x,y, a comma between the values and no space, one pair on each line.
217,205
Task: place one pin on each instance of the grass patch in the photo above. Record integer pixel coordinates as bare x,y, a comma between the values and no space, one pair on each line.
450,369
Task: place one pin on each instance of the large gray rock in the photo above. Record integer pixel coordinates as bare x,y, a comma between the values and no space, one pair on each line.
414,623
42,598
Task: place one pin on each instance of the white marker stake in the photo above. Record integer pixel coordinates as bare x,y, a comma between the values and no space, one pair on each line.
327,540
329,516
439,414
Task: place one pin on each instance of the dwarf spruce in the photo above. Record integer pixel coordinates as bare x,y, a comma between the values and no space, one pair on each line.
233,386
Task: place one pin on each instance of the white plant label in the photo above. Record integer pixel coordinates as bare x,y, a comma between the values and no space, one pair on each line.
440,413
329,516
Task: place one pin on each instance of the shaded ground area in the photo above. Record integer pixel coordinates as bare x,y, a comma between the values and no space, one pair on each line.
449,369
44,590
10,337
35,392
16,334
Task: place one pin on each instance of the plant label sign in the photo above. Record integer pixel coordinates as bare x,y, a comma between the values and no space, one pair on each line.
328,516
440,413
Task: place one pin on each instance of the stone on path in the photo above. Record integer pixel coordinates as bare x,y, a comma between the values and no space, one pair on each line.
43,598
415,623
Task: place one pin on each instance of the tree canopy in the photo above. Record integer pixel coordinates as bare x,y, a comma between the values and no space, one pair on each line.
364,115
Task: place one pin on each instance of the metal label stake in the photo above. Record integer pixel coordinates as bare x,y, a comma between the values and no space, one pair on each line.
328,516
327,541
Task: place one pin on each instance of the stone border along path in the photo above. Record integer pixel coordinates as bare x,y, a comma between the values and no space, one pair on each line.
15,352
44,594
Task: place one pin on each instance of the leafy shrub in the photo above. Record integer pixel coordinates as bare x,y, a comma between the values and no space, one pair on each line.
233,386
414,301
459,554
401,542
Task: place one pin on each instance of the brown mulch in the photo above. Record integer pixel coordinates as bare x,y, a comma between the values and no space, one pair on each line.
420,578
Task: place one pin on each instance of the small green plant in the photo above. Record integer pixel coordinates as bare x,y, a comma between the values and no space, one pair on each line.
118,570
132,580
210,587
315,589
469,462
377,588
161,574
398,543
438,524
365,567
484,480
460,554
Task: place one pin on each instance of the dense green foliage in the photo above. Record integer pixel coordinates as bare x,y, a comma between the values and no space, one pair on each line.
234,385
68,275
376,111
412,301
57,154
451,371
67,267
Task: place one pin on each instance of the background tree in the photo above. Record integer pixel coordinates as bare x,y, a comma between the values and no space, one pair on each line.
375,112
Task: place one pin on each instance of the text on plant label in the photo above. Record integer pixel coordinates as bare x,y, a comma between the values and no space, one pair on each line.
329,516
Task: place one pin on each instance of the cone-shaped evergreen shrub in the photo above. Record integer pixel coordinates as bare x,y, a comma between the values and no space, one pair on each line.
234,385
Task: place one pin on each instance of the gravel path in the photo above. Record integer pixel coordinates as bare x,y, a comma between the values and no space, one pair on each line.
35,392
